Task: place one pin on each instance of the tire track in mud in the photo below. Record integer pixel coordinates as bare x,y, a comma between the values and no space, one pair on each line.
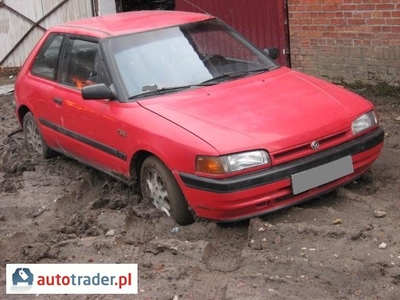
209,285
227,243
138,230
204,255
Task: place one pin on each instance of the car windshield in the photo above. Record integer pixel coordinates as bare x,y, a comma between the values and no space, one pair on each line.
182,57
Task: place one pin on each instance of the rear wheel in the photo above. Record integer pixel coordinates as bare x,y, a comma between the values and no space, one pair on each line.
33,138
160,187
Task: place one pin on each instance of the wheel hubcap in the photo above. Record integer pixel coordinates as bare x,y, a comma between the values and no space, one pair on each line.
33,137
157,192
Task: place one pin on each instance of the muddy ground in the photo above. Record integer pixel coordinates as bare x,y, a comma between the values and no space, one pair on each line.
333,247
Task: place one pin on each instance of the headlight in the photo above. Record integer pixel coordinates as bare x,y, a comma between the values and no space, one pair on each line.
231,163
364,122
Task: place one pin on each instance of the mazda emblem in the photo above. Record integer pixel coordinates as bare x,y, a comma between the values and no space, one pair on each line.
314,145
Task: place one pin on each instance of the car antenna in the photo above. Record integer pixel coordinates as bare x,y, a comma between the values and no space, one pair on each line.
199,8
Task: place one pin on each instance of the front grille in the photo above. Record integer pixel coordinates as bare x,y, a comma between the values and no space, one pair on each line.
303,149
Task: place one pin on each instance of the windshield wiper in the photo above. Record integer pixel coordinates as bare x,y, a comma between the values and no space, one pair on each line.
237,74
212,81
255,71
166,90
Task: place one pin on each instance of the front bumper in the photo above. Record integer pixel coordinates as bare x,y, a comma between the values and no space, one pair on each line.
264,191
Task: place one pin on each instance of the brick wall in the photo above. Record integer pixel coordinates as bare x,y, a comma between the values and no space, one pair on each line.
346,40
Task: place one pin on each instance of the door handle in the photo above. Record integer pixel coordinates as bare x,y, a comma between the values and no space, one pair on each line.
57,101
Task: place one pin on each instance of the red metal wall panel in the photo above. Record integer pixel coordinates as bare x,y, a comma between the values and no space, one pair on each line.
262,21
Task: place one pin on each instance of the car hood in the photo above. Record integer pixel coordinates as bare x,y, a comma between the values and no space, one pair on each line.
274,111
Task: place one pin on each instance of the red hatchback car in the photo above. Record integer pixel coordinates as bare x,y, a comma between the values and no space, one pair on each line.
183,105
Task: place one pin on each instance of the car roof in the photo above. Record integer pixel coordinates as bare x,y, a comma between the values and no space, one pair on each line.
129,22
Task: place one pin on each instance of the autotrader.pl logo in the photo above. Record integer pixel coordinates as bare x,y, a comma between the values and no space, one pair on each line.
22,280
72,279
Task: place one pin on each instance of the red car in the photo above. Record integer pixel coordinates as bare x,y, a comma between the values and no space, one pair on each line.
183,105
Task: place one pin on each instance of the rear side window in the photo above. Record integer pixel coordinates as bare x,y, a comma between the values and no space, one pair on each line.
46,61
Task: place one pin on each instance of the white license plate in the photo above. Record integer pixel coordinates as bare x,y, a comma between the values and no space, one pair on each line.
311,178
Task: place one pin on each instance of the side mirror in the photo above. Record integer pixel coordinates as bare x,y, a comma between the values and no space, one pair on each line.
272,52
97,91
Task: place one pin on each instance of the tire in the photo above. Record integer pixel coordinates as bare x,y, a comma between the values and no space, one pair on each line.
158,185
33,138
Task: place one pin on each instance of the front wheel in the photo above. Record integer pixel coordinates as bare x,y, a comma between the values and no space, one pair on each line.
33,138
159,186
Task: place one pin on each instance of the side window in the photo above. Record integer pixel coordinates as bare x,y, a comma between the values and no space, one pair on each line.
83,64
45,64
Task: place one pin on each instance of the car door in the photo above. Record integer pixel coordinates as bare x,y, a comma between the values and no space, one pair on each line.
93,132
41,89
